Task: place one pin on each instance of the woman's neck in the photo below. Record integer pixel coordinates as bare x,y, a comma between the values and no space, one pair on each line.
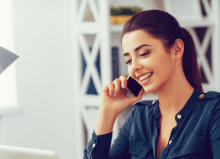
174,95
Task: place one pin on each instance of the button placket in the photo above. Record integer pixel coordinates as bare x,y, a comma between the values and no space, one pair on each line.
170,142
153,102
93,145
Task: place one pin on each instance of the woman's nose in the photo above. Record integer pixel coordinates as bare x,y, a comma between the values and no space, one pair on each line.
136,65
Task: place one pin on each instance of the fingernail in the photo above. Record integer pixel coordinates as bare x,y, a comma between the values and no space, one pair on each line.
115,94
123,85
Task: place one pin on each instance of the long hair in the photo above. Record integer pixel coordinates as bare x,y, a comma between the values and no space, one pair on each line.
164,26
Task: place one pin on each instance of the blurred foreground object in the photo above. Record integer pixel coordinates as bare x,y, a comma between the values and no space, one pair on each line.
6,58
11,152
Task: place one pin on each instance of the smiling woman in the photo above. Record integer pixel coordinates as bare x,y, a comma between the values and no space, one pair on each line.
183,123
165,28
144,58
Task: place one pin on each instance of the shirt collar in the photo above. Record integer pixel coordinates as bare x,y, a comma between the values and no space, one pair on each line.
185,110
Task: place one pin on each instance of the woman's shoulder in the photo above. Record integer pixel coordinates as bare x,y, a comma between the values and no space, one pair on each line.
210,95
211,99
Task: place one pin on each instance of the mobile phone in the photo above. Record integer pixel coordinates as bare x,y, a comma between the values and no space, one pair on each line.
133,86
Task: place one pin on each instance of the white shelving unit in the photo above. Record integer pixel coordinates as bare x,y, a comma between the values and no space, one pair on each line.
88,104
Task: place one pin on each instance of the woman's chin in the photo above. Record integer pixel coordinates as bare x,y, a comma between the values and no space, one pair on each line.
149,90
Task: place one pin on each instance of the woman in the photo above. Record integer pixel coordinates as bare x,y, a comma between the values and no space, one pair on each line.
183,123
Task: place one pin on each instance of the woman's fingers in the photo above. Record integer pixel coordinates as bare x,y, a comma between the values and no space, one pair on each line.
134,99
117,86
140,94
110,88
123,81
120,84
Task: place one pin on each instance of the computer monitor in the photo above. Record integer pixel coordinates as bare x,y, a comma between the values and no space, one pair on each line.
11,152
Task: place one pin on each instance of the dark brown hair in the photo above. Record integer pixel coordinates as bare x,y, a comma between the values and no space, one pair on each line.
164,26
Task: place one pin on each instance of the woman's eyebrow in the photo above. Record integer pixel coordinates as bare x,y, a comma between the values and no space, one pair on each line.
137,48
126,54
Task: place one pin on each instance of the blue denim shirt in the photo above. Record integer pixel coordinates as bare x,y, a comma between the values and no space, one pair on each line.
196,135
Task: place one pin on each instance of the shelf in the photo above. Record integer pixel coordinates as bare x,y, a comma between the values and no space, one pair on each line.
193,24
204,23
116,28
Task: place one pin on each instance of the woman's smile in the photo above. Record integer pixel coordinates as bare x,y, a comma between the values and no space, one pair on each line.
144,77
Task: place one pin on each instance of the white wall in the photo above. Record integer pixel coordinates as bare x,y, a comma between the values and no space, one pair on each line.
42,40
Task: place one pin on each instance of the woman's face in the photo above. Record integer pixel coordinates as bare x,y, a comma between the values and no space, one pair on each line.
145,54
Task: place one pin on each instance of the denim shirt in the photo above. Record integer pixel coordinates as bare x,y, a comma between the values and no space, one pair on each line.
196,135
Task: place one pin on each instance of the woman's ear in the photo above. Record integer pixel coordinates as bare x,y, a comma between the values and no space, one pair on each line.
177,49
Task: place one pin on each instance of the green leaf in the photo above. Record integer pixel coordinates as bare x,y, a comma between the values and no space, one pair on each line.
125,10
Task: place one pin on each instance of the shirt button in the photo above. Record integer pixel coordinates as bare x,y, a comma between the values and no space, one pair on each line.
179,116
153,102
201,96
170,141
93,145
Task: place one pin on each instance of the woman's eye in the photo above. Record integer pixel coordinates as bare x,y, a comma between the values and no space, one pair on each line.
128,62
145,54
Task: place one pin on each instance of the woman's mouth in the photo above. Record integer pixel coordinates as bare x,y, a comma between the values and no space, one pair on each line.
144,79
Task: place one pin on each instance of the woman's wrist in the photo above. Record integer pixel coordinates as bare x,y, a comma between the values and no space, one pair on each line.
105,122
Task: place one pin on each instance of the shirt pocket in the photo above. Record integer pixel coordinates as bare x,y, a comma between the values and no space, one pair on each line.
192,149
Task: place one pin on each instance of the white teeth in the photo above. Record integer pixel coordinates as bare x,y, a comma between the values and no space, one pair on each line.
145,76
144,80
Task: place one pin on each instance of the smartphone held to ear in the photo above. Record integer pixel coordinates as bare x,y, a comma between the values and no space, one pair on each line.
133,86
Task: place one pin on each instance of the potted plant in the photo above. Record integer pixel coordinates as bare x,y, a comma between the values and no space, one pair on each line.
120,15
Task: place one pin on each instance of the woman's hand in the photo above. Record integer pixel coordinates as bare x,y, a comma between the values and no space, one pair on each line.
114,100
114,97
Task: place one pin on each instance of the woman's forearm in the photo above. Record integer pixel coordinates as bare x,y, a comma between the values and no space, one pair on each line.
105,122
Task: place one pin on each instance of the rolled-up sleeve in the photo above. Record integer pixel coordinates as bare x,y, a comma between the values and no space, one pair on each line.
99,145
214,130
